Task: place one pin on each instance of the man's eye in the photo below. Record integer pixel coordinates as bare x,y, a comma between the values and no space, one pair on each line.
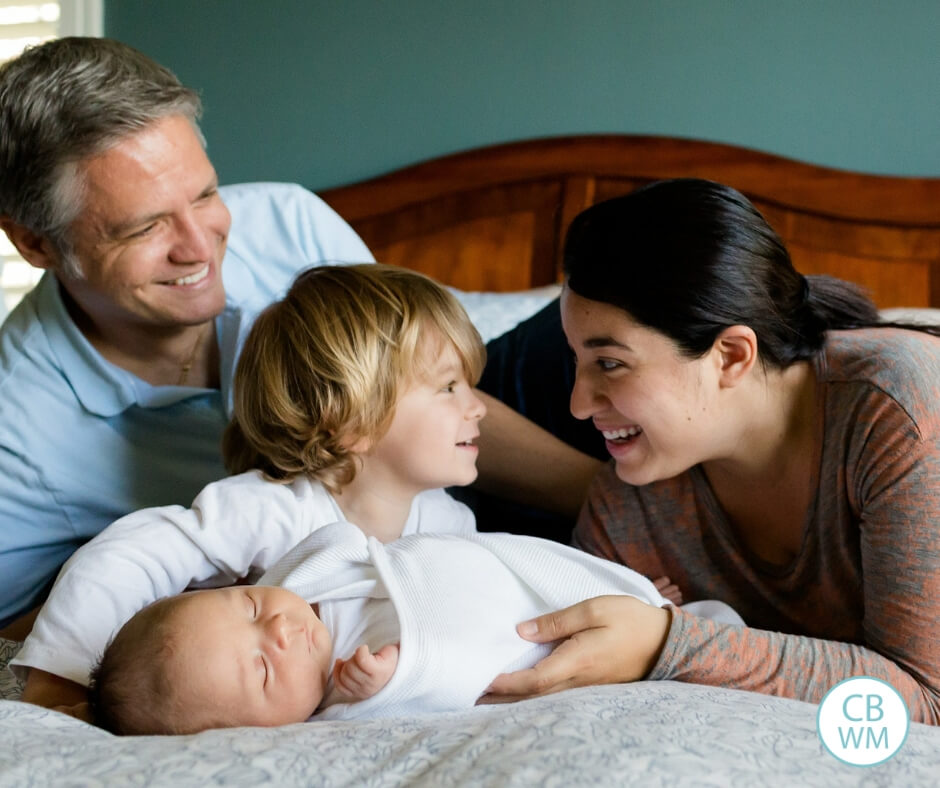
142,231
607,365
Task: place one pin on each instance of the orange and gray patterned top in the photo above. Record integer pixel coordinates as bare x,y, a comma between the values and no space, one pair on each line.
862,597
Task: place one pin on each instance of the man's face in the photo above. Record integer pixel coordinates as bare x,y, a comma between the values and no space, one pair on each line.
151,233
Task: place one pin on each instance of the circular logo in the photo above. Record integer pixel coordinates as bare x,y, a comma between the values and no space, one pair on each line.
863,721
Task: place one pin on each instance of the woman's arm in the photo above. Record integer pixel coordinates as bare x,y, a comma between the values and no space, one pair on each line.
899,550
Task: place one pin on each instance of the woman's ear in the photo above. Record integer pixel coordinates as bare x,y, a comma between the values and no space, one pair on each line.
736,347
34,249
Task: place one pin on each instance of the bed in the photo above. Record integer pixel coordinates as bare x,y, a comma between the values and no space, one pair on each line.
491,223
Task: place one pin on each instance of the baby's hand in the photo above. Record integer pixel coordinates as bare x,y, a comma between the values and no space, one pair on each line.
364,673
669,590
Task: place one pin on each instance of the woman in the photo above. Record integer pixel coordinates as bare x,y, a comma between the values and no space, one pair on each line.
774,446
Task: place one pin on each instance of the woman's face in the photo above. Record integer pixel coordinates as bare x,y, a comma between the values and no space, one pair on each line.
654,406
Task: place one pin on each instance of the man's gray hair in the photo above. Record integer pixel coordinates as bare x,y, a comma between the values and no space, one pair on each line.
66,100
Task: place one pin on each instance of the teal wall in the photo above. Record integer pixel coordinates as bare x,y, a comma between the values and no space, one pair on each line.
330,92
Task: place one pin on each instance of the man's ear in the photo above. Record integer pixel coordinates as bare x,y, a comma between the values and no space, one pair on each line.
35,249
736,349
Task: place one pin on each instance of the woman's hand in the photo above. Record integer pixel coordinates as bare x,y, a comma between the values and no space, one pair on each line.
606,640
669,590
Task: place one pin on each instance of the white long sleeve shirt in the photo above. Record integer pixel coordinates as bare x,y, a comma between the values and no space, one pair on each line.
237,527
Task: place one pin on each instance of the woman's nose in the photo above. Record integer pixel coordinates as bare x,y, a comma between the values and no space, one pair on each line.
583,397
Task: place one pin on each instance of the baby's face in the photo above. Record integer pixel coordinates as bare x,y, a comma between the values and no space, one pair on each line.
249,655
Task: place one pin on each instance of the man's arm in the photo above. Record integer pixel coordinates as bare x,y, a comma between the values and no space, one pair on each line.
521,461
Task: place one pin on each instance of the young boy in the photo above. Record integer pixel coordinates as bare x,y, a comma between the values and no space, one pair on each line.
429,621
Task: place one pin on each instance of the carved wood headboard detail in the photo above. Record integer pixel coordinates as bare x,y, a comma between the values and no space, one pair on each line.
494,218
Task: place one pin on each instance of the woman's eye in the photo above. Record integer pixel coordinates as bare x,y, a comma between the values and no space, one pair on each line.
606,365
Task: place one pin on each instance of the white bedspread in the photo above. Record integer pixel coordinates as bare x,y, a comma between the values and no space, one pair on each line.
648,734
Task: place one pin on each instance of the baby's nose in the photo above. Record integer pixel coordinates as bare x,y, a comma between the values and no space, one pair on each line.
282,630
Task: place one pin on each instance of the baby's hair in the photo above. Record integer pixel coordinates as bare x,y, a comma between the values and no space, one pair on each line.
325,366
131,690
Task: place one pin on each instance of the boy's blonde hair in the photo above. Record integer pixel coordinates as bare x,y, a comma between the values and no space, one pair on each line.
325,366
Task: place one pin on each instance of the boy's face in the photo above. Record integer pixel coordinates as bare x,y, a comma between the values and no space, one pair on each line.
249,655
431,440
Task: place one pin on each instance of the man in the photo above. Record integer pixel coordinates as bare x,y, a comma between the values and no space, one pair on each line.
115,372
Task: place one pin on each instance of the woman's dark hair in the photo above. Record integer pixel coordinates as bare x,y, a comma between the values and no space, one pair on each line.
690,257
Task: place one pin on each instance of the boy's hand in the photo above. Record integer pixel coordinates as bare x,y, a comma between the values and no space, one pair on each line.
364,673
669,590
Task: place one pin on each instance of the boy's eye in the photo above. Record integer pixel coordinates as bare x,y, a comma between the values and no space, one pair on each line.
450,387
263,670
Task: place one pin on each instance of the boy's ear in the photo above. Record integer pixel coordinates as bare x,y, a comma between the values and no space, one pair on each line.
736,349
357,445
33,248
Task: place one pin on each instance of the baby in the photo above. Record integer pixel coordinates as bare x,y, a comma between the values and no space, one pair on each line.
428,622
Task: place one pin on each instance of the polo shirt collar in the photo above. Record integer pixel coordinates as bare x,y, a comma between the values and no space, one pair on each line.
103,388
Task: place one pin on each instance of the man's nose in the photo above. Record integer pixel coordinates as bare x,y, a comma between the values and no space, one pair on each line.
194,242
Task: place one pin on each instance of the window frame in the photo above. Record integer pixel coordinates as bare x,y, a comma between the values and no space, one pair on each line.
76,18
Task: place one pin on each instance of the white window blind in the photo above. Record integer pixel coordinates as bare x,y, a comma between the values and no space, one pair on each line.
23,24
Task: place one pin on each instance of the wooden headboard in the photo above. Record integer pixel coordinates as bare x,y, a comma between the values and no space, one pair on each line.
494,218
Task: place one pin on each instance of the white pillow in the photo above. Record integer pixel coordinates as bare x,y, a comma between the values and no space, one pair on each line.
909,314
494,314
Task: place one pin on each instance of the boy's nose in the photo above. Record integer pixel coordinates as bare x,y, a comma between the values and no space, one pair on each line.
477,408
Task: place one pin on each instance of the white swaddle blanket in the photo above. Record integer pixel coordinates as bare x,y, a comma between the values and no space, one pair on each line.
457,600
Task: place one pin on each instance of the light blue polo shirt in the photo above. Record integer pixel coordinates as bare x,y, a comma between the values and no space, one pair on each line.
83,442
